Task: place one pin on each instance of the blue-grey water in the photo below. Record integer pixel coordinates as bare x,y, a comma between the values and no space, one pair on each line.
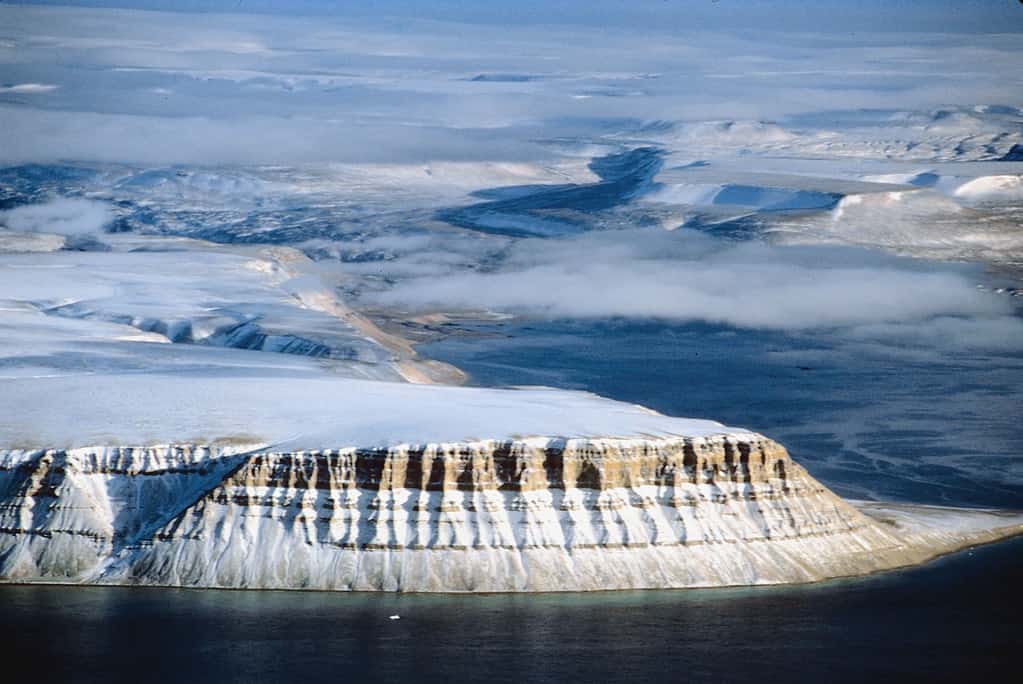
955,620
888,422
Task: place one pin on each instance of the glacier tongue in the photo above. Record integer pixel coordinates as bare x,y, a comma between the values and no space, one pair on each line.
486,516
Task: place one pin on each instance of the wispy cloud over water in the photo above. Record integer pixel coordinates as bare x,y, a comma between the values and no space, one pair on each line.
684,275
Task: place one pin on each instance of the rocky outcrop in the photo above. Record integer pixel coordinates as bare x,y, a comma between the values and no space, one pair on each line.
516,515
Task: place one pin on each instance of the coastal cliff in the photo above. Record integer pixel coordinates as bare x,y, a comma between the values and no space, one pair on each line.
487,516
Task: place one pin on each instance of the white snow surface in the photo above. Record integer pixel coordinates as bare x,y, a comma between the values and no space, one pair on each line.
130,348
1004,188
307,412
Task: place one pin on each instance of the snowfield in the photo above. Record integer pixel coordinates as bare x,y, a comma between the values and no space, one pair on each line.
199,344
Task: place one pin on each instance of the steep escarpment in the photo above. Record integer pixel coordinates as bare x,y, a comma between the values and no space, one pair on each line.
501,515
63,511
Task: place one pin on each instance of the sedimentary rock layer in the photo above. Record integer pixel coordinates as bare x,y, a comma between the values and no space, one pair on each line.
526,515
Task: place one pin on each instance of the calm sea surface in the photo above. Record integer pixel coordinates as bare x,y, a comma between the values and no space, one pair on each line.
957,619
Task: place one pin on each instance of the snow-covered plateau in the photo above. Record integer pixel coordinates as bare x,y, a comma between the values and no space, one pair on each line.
222,236
486,516
144,440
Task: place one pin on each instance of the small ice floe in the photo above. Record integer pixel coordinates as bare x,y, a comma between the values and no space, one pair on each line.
394,617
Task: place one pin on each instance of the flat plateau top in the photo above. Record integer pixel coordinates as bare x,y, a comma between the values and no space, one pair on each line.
305,412
80,364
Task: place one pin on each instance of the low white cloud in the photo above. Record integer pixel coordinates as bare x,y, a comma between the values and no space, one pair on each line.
685,276
999,333
63,216
28,88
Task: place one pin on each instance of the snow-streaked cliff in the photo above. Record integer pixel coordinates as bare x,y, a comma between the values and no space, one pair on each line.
485,516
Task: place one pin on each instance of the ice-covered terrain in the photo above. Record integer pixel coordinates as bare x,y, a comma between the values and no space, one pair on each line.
185,413
218,238
155,303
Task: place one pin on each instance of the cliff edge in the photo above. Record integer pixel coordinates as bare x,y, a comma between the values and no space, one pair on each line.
484,516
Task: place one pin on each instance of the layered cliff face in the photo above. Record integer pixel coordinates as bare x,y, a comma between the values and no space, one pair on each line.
511,515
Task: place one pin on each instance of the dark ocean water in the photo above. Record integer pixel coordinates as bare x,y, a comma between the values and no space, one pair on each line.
909,423
955,620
